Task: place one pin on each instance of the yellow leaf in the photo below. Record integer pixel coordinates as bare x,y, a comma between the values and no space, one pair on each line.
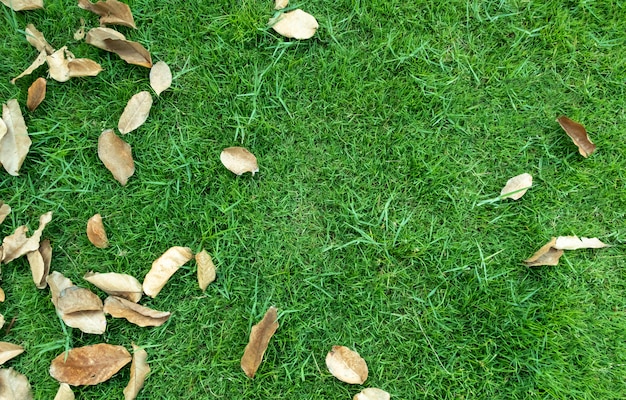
136,112
163,268
116,155
259,340
575,243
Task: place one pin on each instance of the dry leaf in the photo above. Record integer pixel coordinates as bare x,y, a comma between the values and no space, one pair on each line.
259,340
18,244
23,5
5,210
517,186
239,160
578,134
96,36
81,67
546,255
64,392
80,308
96,233
36,38
36,94
160,77
80,33
575,243
116,155
62,66
139,370
280,4
1,317
39,61
15,143
115,284
57,282
372,394
346,365
129,51
3,128
137,314
295,24
14,386
89,365
39,261
163,268
136,112
206,269
9,351
2,298
111,12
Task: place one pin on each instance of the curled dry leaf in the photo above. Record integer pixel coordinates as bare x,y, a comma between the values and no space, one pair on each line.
62,66
160,77
37,40
280,4
115,284
139,370
517,186
206,269
239,160
346,365
9,351
578,134
57,282
136,112
163,268
80,32
36,94
96,36
89,365
15,143
39,61
546,255
5,210
259,339
96,233
295,24
129,51
80,308
64,392
111,12
23,5
372,394
39,261
116,155
14,386
575,243
17,244
134,313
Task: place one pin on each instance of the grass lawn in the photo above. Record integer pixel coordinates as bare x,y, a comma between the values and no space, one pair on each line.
377,141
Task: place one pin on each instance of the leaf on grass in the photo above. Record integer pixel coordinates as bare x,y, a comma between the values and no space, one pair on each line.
2,298
39,61
346,365
115,284
578,134
23,5
163,268
62,66
129,51
5,209
80,33
17,244
89,365
64,392
96,36
517,186
96,233
575,243
111,12
3,128
57,282
36,94
259,339
295,24
81,308
206,269
139,370
134,313
280,4
546,255
1,317
136,112
9,351
39,261
372,394
15,143
116,155
37,40
160,77
13,385
239,160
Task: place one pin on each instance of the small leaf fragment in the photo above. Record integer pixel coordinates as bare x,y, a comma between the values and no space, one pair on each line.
164,267
80,32
296,24
39,61
280,4
136,112
37,40
13,385
39,261
89,365
15,143
5,210
17,244
160,77
517,186
116,155
96,36
64,392
575,243
115,284
57,282
137,314
578,134
239,160
9,351
259,340
81,308
129,51
346,365
206,269
139,370
96,233
372,394
23,5
36,94
546,255
111,12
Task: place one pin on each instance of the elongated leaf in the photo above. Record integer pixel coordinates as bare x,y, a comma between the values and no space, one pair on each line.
134,313
116,155
36,94
96,36
129,51
39,261
14,386
136,112
259,340
23,5
139,370
578,134
164,267
36,38
160,77
89,365
576,243
15,143
116,284
206,269
39,61
111,12
546,255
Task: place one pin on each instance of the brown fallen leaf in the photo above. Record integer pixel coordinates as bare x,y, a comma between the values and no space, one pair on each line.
259,340
17,244
5,210
546,255
64,392
111,12
80,308
9,351
137,314
96,233
131,52
517,186
139,370
116,155
206,269
62,66
136,112
57,282
39,61
36,94
239,160
160,77
346,365
578,134
575,243
23,5
372,394
80,32
96,36
15,143
280,4
89,365
13,385
37,39
163,268
39,261
295,24
81,67
115,284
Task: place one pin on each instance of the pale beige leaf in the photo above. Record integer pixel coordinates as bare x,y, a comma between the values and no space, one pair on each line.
137,314
259,340
206,269
346,365
3,128
36,94
89,365
81,67
37,40
39,61
23,5
57,282
116,284
280,4
96,233
239,160
96,36
14,386
1,318
111,12
546,255
17,244
2,298
129,51
80,32
39,261
372,394
62,66
295,24
9,351
15,143
517,186
5,210
139,370
578,134
160,77
116,155
64,392
575,243
82,309
58,65
164,267
136,112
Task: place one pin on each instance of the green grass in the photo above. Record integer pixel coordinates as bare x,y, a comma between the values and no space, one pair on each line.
377,140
